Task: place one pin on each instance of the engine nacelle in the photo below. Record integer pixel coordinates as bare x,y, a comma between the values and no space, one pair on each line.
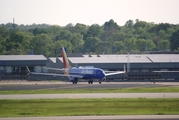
74,80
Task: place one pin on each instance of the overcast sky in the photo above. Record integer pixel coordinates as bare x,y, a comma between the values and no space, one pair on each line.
62,12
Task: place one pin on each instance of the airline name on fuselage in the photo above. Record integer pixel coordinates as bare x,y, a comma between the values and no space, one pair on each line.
87,72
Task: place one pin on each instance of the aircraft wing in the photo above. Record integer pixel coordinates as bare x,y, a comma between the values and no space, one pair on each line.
114,73
53,74
52,68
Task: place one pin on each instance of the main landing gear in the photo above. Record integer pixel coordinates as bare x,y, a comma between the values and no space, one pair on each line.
75,81
90,82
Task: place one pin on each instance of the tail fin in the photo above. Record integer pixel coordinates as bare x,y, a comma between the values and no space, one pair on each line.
65,59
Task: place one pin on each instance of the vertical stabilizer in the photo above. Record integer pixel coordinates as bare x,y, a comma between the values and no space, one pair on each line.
65,59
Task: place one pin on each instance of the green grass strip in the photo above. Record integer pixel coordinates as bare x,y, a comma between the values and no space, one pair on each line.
84,107
115,90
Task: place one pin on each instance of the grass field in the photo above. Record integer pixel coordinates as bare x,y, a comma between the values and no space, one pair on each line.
82,107
119,90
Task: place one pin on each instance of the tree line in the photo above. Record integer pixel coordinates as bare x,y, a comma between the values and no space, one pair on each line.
110,38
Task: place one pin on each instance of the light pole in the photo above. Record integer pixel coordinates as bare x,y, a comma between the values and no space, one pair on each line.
128,62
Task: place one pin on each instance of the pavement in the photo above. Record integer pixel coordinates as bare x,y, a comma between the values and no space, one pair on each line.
26,85
123,117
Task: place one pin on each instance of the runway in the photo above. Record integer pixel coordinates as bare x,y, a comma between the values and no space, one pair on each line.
25,85
83,85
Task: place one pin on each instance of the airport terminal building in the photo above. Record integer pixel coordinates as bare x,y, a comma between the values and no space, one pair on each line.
138,66
14,66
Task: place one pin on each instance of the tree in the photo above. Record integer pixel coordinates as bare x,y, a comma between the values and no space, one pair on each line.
110,28
55,47
164,44
64,35
77,42
163,26
53,31
2,45
40,44
118,46
130,44
37,31
94,31
118,36
156,41
91,44
110,25
69,25
108,38
79,28
3,32
138,24
174,41
14,42
150,45
129,24
141,44
161,34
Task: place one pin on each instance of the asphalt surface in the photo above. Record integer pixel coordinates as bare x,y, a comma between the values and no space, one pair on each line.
91,95
24,85
126,117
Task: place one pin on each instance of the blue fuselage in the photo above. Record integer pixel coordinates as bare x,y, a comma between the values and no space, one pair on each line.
87,73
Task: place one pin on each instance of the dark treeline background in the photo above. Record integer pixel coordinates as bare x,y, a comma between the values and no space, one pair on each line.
135,36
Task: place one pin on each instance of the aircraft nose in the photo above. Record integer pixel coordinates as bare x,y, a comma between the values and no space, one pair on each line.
104,74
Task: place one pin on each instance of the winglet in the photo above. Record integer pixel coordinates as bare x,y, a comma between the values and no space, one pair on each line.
124,68
28,69
125,72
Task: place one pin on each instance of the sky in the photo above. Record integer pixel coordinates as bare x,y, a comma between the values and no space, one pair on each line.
88,12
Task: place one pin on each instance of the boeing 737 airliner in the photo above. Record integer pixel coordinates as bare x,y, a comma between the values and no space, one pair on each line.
76,73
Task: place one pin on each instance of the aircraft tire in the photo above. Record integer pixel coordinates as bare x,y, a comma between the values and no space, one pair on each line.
75,80
90,82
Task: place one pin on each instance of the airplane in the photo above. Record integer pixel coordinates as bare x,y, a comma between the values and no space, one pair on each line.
76,73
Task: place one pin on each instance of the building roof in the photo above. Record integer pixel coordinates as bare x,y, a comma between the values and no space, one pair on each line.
133,58
53,59
21,57
74,54
164,57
